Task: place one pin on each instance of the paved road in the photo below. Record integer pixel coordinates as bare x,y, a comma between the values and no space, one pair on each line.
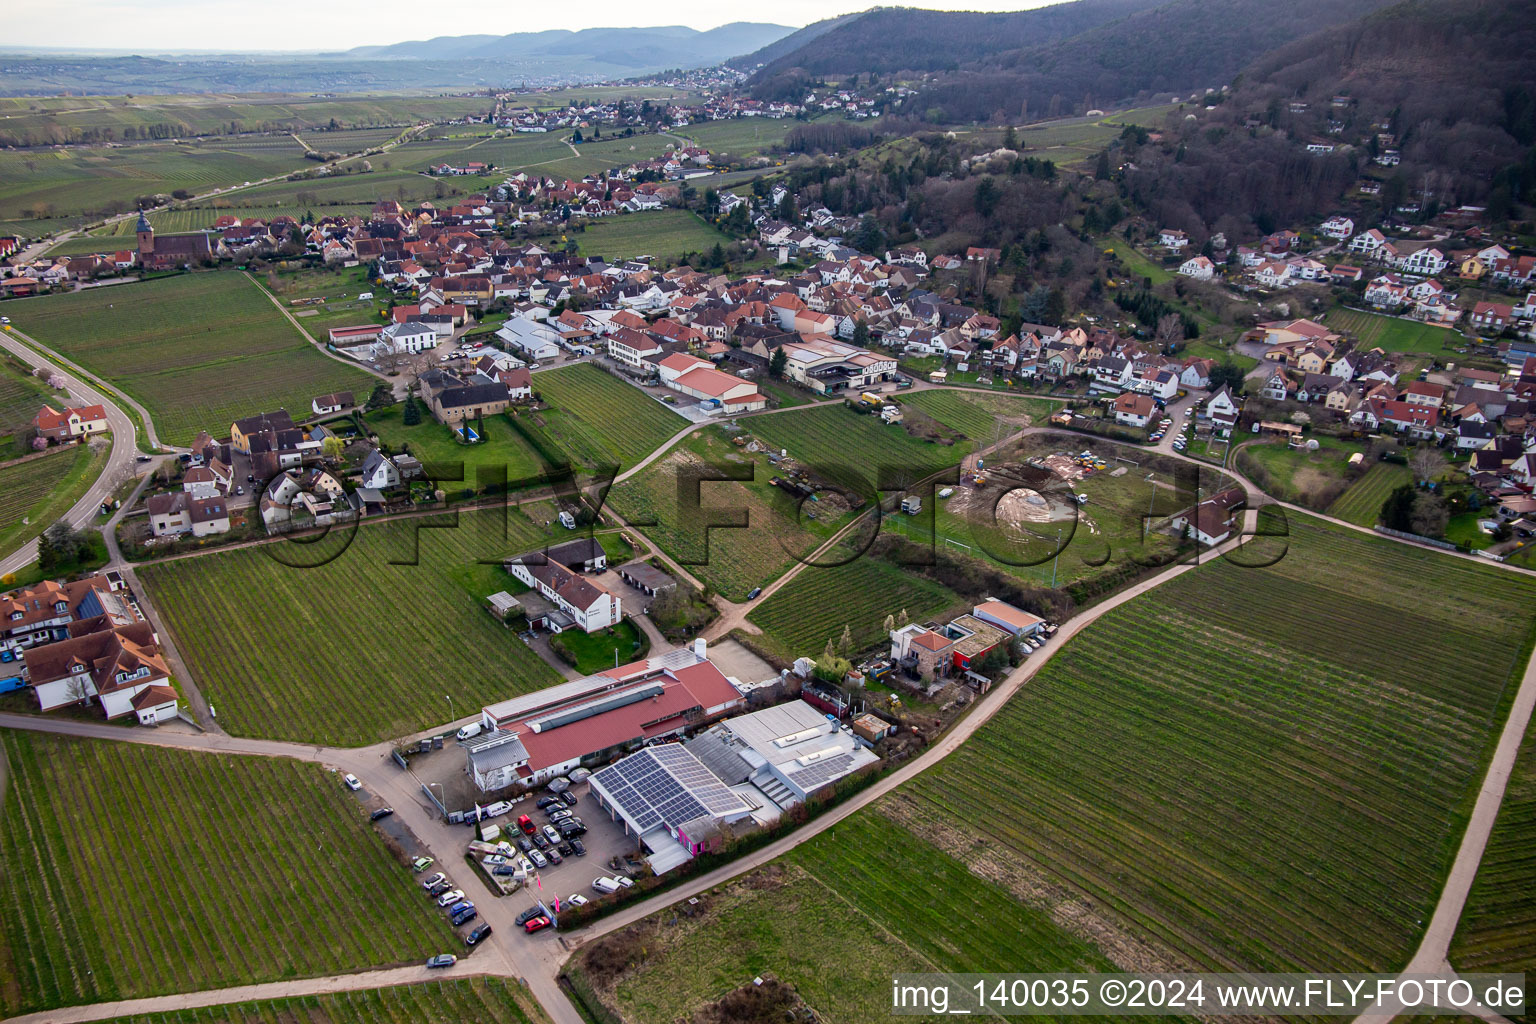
119,467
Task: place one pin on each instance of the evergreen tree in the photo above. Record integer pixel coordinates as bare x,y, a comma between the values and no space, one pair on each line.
777,363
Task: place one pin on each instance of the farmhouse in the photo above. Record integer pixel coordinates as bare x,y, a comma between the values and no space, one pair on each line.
324,405
70,424
1210,522
178,512
554,574
559,727
453,399
1134,410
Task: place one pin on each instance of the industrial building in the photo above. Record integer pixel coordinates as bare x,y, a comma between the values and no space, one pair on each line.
790,752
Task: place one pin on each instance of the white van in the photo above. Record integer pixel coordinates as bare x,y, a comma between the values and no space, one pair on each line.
470,731
604,884
496,809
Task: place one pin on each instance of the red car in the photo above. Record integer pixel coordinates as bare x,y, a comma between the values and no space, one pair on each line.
526,824
537,924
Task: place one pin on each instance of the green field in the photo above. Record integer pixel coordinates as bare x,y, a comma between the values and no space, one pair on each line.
360,648
768,535
198,350
484,999
1393,334
1361,504
1497,932
740,137
813,608
477,465
982,417
664,234
835,918
600,419
1311,478
41,490
856,451
22,396
1238,767
134,870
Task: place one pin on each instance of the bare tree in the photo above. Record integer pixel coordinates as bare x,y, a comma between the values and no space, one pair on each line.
1427,463
1430,515
1170,330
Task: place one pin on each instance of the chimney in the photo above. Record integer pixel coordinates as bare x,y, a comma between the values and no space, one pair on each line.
700,648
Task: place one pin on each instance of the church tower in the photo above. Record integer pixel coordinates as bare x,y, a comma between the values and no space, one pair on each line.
146,235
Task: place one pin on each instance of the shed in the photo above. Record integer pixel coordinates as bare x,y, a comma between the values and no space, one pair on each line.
503,604
647,578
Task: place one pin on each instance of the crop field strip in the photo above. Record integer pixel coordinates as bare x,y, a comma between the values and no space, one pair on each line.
850,449
599,418
1497,932
1361,503
815,606
199,350
980,416
43,489
328,667
102,841
21,396
665,234
1392,334
1229,764
486,1000
870,895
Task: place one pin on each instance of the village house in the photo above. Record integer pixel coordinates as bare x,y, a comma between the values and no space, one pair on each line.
583,603
70,424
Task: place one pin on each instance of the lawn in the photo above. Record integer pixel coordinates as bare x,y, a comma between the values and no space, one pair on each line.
134,870
1311,478
1497,932
981,417
362,647
1394,334
815,607
867,898
198,350
732,534
664,234
446,459
1236,765
35,494
599,418
1361,503
484,999
596,651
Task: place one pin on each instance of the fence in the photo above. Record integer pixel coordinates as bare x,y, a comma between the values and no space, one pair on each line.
1444,545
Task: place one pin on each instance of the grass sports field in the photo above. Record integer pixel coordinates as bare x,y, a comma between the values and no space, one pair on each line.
1393,334
1241,784
41,490
485,1000
664,234
1361,504
769,533
599,418
814,607
981,417
198,350
129,866
869,894
360,648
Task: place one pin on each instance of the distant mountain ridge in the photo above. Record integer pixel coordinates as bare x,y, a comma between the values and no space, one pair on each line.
665,46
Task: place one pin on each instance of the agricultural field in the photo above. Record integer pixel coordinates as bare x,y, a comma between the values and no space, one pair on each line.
201,218
740,137
198,350
127,864
1241,784
599,418
1310,478
858,452
1498,925
1361,503
335,620
35,494
875,896
664,234
814,607
21,397
769,535
1393,334
981,417
484,999
447,460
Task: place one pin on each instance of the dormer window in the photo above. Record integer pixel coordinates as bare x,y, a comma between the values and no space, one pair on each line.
61,606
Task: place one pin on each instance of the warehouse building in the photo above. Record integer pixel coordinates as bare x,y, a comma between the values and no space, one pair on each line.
789,753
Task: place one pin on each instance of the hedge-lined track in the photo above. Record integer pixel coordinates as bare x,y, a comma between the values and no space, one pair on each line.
134,870
358,649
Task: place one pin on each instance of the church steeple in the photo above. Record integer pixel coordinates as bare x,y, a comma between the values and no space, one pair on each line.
146,235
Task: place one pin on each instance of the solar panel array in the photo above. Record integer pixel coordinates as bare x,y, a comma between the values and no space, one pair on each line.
666,785
818,774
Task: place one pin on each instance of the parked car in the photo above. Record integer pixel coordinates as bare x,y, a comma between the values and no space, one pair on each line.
571,828
431,880
459,907
624,880
553,854
555,817
570,798
577,900
351,782
550,834
421,864
579,847
451,896
537,924
524,843
525,823
604,884
565,849
440,888
545,802
506,869
496,809
477,936
528,915
382,812
470,731
495,860
754,593
464,916
539,841
443,960
539,860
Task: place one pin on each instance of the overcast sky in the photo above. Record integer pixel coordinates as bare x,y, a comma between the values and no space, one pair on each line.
151,25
